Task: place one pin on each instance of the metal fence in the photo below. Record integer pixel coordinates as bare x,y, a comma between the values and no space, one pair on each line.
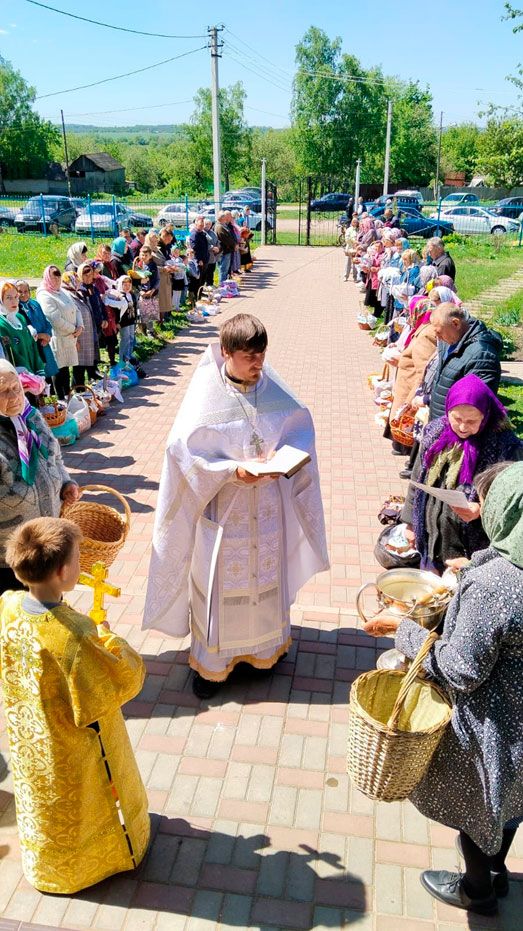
94,219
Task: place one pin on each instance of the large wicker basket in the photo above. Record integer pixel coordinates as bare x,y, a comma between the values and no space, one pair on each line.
396,721
57,416
104,529
402,425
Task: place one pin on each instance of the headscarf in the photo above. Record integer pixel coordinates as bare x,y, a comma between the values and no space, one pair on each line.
474,391
446,296
502,514
120,281
49,282
119,246
402,242
426,273
394,233
81,268
447,282
366,224
70,281
27,437
10,315
76,253
420,309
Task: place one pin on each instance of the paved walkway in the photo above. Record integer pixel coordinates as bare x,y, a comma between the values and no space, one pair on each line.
255,822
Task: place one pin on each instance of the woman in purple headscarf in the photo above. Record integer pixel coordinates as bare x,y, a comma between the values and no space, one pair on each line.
474,434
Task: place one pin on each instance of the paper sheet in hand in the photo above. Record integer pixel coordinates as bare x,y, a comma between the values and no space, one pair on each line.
455,499
286,461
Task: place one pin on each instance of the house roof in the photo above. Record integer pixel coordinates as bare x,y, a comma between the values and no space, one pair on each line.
101,159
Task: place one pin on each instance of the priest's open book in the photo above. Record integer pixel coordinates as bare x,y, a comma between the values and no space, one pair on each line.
286,461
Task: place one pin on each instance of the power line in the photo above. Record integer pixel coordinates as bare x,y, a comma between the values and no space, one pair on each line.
154,106
267,112
117,77
95,22
254,68
242,41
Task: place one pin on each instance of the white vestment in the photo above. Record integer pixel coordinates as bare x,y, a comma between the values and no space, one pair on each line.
229,558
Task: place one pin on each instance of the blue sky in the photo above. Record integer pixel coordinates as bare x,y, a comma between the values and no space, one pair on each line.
460,48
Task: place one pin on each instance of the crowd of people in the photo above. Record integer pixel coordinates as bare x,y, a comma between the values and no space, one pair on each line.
439,404
101,301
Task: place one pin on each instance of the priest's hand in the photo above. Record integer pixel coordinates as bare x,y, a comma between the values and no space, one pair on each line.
243,476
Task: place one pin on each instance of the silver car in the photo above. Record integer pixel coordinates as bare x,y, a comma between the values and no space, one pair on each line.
177,215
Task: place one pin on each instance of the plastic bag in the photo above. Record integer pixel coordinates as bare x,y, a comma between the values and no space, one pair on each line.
391,558
125,374
78,410
67,433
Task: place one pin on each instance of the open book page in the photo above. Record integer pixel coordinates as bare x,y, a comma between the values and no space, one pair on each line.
450,496
286,461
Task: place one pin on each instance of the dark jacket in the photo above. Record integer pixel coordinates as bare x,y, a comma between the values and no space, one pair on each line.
200,246
478,351
445,265
226,238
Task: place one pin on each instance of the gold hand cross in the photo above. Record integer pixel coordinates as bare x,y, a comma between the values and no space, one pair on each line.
100,587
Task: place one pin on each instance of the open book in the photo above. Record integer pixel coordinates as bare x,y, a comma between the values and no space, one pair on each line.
286,461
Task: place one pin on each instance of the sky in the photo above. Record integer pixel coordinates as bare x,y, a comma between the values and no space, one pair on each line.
461,49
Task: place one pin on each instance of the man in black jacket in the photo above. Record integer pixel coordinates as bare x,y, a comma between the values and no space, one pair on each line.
227,240
200,247
441,260
466,345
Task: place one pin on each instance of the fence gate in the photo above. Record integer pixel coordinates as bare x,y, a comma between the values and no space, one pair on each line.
271,200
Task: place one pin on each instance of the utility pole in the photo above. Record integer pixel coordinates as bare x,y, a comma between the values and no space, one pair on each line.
263,202
357,185
438,163
66,155
387,150
215,105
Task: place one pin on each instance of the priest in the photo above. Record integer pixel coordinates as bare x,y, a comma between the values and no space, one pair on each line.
232,549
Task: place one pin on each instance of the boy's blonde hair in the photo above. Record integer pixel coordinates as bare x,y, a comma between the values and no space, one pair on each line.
41,547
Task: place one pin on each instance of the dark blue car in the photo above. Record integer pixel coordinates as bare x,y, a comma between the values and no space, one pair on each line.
415,223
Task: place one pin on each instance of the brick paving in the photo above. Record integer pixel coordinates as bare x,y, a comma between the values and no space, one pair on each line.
255,823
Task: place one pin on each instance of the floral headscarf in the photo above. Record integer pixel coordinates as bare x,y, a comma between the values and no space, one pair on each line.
49,281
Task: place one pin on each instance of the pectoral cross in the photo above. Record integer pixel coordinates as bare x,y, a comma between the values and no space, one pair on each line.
101,588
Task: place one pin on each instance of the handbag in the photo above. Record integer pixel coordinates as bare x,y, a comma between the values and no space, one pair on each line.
390,510
391,559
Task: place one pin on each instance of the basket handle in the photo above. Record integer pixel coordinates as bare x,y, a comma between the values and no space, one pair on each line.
409,678
121,499
385,372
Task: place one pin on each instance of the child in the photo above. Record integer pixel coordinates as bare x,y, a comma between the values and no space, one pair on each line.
193,276
148,303
80,802
179,277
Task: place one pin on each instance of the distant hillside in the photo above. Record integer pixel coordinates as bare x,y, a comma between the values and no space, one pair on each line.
139,129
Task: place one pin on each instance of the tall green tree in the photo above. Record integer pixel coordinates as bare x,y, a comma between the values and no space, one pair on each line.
26,140
276,145
340,112
236,136
460,149
501,152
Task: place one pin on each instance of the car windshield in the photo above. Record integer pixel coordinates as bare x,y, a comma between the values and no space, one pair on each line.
99,209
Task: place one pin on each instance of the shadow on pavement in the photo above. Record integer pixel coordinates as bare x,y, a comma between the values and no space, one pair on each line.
240,881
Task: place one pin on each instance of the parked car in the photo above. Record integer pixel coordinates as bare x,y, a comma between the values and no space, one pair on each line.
330,202
235,200
7,216
474,220
460,198
509,207
80,203
177,215
409,198
255,218
56,210
99,217
415,223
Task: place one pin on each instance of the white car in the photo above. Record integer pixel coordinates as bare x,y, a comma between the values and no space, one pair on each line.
106,219
177,215
254,218
474,220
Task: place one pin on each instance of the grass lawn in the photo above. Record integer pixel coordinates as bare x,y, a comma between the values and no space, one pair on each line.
512,397
481,263
25,255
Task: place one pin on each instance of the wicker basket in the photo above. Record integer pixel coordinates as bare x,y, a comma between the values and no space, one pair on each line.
402,425
56,417
376,378
396,721
104,529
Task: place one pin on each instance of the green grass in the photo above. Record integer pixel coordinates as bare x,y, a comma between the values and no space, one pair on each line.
512,397
27,254
481,263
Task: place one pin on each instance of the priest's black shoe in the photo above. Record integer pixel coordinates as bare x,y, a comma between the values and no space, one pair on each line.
448,888
204,688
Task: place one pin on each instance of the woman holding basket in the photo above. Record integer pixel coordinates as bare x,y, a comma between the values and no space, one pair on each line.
474,782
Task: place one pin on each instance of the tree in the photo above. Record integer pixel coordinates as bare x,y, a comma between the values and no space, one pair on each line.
236,136
501,152
460,149
26,140
340,113
276,145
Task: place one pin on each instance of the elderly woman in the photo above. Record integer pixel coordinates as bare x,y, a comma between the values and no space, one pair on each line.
474,782
18,343
444,295
87,343
420,346
121,257
160,247
30,309
66,321
34,481
474,434
76,254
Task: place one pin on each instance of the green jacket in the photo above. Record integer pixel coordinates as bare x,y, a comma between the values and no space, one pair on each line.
19,346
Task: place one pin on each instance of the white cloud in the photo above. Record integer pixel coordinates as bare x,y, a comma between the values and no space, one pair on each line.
4,32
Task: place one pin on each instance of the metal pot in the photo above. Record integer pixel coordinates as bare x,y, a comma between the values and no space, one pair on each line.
411,593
